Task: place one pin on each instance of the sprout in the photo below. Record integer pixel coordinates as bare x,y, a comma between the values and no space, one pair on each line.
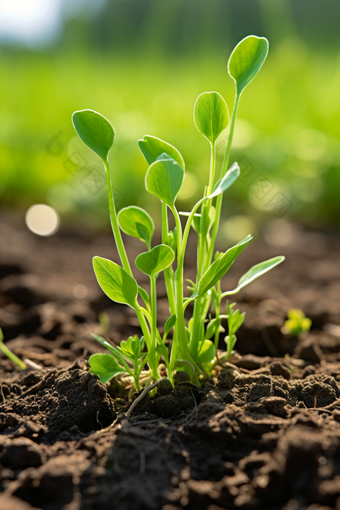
194,346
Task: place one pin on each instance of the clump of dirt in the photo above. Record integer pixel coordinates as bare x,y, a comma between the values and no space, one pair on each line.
59,405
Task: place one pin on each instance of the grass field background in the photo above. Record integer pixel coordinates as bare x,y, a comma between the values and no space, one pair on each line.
287,132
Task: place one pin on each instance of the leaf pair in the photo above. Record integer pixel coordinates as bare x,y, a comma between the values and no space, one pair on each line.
211,114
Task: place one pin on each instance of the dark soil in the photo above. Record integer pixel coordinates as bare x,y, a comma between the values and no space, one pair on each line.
264,434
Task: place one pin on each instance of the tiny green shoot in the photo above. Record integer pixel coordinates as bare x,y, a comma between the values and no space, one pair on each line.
296,323
194,342
10,354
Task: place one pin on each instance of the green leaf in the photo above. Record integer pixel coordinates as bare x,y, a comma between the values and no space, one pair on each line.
144,295
171,239
219,268
117,284
105,366
95,131
196,223
254,272
153,147
156,260
206,352
295,314
136,222
169,324
246,60
163,351
212,327
227,180
235,320
127,348
211,115
164,179
131,347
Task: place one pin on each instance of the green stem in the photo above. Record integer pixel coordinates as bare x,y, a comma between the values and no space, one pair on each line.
168,273
180,345
180,324
114,223
10,354
152,352
212,168
217,314
121,248
196,331
203,261
223,171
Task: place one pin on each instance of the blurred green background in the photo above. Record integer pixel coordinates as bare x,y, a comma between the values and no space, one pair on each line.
142,64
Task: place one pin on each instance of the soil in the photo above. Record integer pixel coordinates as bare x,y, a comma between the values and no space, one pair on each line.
264,434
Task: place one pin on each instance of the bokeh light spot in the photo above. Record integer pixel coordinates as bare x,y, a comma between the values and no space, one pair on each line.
80,291
42,220
278,232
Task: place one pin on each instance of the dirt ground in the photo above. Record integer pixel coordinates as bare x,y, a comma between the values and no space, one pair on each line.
262,436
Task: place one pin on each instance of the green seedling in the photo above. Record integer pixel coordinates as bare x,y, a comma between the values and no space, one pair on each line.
10,354
194,344
235,321
296,323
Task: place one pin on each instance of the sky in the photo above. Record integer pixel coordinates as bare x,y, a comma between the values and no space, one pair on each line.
38,22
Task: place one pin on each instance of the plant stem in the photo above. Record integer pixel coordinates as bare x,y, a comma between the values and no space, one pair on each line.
121,248
203,260
217,314
180,338
152,352
223,171
180,324
10,354
114,223
168,273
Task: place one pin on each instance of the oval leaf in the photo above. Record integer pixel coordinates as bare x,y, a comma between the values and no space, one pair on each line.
153,147
156,260
144,295
213,326
211,115
105,366
95,131
169,324
136,222
246,60
254,272
235,320
164,179
117,284
206,352
219,268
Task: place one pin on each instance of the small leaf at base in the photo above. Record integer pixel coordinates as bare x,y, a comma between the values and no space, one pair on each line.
105,366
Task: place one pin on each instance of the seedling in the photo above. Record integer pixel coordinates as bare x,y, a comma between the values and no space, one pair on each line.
296,323
194,346
10,354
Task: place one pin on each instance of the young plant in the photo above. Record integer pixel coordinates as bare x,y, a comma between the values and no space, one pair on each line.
192,349
296,323
10,354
